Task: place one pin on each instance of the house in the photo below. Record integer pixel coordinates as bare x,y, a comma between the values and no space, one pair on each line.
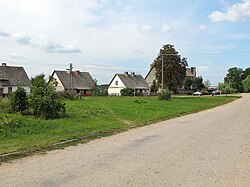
126,80
150,77
11,78
79,82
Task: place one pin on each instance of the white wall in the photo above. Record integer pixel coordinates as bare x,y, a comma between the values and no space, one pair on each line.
14,88
59,87
114,89
151,77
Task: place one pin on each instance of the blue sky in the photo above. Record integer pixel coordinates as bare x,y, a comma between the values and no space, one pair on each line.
106,37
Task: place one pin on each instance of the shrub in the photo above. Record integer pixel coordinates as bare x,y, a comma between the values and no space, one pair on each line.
67,95
164,95
7,121
44,101
19,100
127,92
5,105
9,125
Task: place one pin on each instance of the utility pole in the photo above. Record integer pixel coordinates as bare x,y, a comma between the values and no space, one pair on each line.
162,63
70,76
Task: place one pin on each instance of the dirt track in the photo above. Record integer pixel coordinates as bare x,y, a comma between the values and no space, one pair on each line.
210,148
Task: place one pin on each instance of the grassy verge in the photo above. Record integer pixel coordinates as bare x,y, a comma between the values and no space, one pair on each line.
92,118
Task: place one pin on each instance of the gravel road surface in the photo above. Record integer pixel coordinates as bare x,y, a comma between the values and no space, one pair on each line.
209,148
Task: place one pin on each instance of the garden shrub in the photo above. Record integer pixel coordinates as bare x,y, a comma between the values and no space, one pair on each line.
44,101
5,105
164,95
127,92
19,100
67,95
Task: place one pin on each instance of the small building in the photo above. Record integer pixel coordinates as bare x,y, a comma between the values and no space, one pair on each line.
11,78
80,82
126,80
150,77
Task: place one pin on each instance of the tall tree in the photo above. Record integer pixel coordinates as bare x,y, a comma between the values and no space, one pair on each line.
246,84
234,78
174,68
198,83
154,87
226,88
207,83
245,73
188,83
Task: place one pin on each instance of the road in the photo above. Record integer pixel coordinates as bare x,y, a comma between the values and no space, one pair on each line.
209,148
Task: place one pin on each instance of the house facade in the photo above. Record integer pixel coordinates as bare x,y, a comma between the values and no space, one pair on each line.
79,82
126,80
11,78
150,77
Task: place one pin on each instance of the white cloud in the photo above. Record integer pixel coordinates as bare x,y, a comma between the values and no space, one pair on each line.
234,13
145,28
22,38
42,42
166,29
4,34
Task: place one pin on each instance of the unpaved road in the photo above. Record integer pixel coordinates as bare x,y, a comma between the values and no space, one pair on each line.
210,148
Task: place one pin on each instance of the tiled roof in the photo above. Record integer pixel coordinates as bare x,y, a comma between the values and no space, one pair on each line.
81,80
133,81
13,76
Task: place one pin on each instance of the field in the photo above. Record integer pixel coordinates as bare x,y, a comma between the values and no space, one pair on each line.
94,117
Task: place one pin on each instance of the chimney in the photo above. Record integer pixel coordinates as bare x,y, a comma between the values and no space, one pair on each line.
4,64
193,70
77,72
126,73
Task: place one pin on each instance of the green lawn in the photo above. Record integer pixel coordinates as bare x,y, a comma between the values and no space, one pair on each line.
94,115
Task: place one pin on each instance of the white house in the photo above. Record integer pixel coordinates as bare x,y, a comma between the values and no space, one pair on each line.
126,80
11,78
80,82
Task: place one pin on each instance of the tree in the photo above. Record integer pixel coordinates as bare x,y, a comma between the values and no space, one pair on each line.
154,87
246,84
188,83
19,100
198,83
207,83
226,88
245,73
44,101
234,78
174,68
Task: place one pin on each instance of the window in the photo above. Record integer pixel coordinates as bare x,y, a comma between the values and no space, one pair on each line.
116,83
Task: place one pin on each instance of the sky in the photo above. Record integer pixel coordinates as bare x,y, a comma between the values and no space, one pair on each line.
105,37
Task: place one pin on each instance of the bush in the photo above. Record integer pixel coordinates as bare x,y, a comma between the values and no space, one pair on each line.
164,95
7,121
19,100
5,105
127,92
44,101
9,125
67,95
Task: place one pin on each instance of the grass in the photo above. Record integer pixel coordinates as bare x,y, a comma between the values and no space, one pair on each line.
94,117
